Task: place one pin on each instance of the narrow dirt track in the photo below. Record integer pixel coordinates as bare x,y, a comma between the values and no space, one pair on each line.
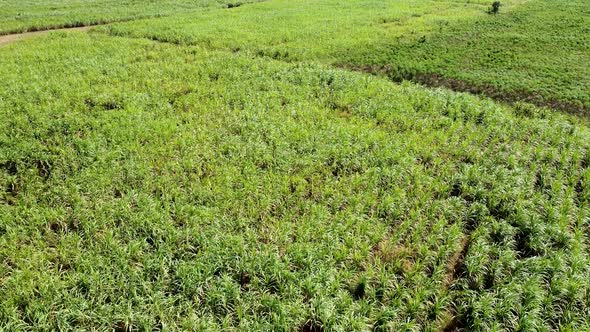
7,39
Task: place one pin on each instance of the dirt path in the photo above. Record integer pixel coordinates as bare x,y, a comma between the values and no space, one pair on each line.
7,39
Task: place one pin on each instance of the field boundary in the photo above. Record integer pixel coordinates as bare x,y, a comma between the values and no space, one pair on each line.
434,80
98,22
437,80
455,271
68,26
9,39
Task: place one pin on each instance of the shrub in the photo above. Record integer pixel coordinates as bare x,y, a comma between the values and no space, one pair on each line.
495,8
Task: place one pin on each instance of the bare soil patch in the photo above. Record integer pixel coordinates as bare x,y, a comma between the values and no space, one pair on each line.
8,39
436,80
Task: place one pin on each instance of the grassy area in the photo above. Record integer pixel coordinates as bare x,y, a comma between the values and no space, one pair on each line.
533,51
302,30
537,52
151,186
33,15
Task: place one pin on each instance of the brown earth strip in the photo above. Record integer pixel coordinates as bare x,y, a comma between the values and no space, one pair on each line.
87,24
455,267
8,39
72,25
437,80
455,270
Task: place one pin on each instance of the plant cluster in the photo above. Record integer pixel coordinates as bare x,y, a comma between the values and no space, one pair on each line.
495,8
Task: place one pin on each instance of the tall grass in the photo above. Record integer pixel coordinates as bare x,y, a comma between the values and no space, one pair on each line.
534,51
149,186
18,16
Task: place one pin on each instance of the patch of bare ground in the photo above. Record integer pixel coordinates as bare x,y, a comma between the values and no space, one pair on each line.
437,80
455,266
455,270
8,39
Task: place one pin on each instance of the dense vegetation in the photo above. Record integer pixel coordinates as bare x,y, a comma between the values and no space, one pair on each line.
536,51
159,185
35,15
244,182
